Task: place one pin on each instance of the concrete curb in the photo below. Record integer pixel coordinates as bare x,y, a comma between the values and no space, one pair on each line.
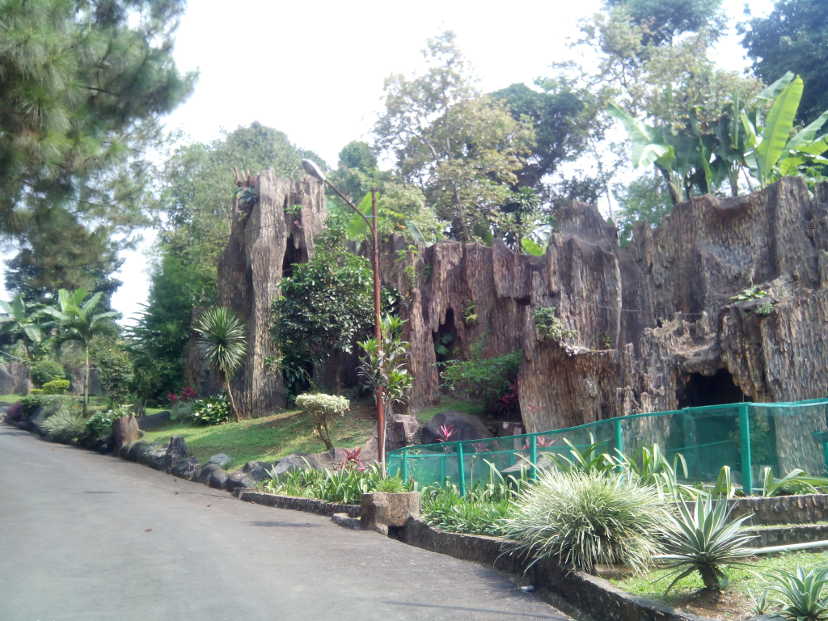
310,505
590,594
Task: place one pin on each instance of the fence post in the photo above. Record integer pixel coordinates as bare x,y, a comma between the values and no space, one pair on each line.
744,445
533,456
405,465
619,436
461,468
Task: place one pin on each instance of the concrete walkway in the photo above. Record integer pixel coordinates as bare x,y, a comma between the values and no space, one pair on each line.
86,537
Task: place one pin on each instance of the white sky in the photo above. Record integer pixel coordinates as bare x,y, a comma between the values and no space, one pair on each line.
315,70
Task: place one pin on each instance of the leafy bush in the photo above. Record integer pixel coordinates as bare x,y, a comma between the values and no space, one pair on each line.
584,519
549,326
344,485
445,508
14,412
799,594
56,387
705,540
211,410
66,425
323,409
114,365
46,370
484,378
99,425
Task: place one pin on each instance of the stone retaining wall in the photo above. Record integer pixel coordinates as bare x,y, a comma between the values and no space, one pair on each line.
783,509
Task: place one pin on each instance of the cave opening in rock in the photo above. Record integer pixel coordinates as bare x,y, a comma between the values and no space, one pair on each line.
445,338
713,389
293,255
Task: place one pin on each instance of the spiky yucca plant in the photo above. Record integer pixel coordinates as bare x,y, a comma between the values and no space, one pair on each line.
701,537
583,519
799,593
223,344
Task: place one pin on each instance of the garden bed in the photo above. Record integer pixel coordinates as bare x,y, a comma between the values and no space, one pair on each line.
736,602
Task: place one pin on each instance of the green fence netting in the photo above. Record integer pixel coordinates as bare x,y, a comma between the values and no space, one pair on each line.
745,436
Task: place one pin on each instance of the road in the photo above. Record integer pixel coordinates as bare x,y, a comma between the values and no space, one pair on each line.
87,537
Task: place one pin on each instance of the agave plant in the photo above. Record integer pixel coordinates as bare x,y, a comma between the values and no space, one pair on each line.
703,538
795,482
799,594
223,344
652,467
589,459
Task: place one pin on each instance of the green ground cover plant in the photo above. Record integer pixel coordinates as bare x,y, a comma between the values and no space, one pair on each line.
344,484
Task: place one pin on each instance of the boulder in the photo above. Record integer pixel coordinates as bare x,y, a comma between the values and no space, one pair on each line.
239,480
220,460
154,421
258,470
402,430
466,427
213,475
125,432
177,449
187,468
297,461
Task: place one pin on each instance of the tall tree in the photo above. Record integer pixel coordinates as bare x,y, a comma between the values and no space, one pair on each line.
794,37
82,84
58,252
663,20
460,148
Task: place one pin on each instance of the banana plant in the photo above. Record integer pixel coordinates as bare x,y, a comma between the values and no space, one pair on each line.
774,150
21,322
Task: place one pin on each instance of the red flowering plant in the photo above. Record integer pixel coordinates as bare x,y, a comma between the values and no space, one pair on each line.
181,404
352,460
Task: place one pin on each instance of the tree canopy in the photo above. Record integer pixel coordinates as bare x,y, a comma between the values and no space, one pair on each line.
82,84
794,37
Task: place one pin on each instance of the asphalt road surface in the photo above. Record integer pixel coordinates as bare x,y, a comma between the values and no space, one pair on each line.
87,537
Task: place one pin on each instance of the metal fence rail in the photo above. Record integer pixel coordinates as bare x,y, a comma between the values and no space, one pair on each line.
745,436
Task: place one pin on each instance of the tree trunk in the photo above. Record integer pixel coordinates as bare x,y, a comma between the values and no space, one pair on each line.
86,380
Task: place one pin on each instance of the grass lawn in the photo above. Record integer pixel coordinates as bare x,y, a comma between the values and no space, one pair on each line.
268,438
735,602
272,437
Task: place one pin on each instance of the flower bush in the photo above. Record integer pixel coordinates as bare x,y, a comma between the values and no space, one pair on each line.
211,410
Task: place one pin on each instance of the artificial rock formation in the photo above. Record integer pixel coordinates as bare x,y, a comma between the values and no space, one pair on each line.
653,326
275,221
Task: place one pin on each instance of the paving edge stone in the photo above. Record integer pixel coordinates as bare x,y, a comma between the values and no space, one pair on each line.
343,519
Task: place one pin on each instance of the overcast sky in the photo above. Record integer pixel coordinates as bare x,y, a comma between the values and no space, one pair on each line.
315,70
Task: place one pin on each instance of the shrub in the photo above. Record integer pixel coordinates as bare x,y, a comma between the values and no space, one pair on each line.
484,378
322,409
705,540
800,594
14,412
345,485
585,519
66,425
99,425
114,365
46,370
211,410
56,387
549,326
